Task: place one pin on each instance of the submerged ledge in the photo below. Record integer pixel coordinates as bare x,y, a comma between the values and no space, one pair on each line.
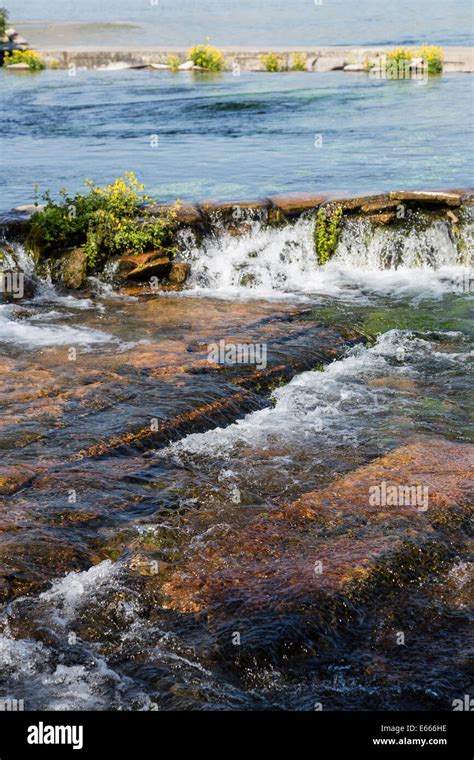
320,58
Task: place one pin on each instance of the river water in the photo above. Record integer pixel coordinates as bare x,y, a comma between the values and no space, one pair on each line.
162,516
104,529
245,23
233,137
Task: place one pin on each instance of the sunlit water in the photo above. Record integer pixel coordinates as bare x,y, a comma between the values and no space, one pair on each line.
233,137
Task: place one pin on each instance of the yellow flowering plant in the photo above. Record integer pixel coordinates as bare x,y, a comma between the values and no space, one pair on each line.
30,57
107,221
207,57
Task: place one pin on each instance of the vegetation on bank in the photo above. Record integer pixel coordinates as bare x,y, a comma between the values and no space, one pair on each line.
271,62
173,62
431,55
326,233
299,62
109,221
30,57
207,57
3,21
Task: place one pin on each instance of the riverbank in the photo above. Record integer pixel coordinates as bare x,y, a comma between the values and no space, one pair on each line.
320,59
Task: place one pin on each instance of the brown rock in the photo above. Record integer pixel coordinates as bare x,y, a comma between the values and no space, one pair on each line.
383,219
380,205
73,268
183,213
235,211
179,272
129,263
436,197
155,268
294,204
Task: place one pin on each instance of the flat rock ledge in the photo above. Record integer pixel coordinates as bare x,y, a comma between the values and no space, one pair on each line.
318,59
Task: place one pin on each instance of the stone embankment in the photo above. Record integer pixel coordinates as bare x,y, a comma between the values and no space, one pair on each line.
320,59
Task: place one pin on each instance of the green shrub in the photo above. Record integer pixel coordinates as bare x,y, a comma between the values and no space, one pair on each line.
106,221
31,57
326,233
173,62
271,62
431,54
433,57
207,57
299,62
3,21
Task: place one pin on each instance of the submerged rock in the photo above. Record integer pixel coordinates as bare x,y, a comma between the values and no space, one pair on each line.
340,542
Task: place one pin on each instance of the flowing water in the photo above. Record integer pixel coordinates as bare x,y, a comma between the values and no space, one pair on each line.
230,137
129,460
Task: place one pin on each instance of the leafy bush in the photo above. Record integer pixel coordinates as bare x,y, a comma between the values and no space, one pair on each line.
31,57
299,62
326,233
207,57
271,61
3,21
433,56
106,221
173,62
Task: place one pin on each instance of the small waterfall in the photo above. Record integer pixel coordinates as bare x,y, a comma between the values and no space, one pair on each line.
266,261
434,245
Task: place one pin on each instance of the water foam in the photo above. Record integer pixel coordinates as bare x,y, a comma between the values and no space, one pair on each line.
277,262
345,403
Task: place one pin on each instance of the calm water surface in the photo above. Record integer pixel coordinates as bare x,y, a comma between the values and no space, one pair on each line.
224,136
244,22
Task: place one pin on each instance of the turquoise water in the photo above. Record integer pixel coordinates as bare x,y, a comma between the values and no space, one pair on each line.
247,22
228,137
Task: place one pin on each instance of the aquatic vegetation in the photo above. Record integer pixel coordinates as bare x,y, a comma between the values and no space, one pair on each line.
106,221
271,61
3,21
326,233
299,62
173,62
30,57
207,57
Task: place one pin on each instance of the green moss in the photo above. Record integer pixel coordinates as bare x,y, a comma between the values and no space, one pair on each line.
326,233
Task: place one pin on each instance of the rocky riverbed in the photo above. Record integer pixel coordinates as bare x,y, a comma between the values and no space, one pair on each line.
183,529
